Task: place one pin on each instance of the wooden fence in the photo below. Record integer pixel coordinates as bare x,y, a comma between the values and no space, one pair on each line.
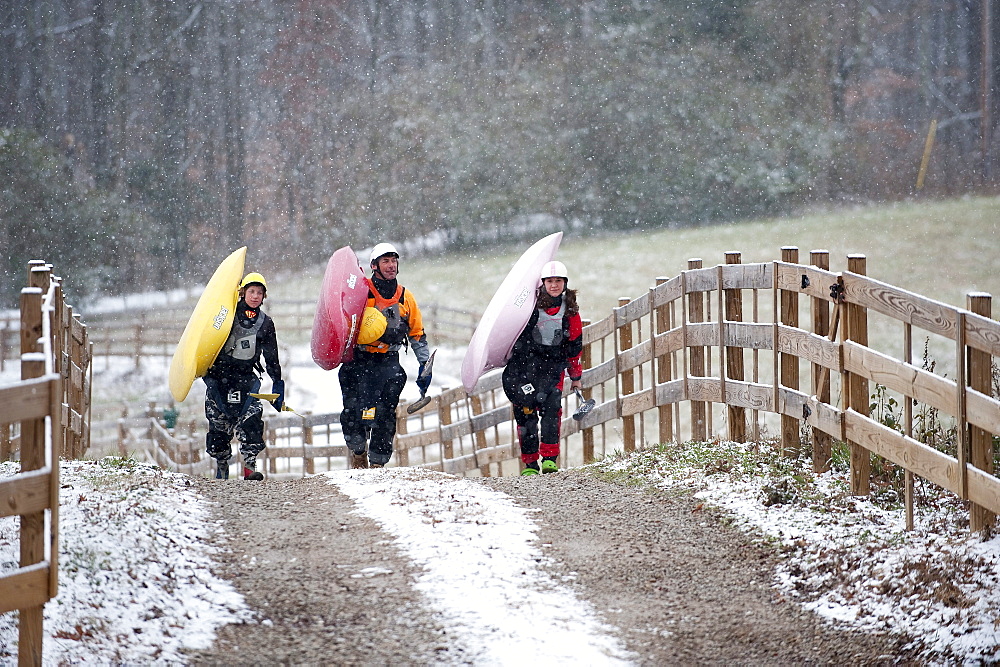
726,341
43,416
154,332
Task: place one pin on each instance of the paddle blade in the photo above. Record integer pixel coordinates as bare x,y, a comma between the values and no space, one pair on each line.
418,404
585,407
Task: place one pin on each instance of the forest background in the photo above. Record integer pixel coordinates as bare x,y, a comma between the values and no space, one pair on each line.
141,141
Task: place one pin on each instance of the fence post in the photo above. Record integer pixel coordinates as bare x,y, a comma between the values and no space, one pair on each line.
821,442
856,330
32,532
309,462
444,419
402,453
789,300
479,437
696,359
627,382
664,368
735,369
586,361
981,442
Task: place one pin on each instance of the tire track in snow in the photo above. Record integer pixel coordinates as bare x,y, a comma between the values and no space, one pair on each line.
481,568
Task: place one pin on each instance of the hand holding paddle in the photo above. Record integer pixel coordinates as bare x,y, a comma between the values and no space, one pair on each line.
270,398
424,382
585,406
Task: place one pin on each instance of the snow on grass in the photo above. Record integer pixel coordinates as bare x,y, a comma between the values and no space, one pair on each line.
135,585
481,568
850,559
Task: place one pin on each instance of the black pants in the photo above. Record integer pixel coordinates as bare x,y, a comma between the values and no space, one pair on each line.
534,388
371,380
231,410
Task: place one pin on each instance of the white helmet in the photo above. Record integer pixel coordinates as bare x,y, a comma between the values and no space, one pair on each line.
554,269
382,249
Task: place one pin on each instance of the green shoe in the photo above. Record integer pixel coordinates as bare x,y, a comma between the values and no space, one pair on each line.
549,466
529,471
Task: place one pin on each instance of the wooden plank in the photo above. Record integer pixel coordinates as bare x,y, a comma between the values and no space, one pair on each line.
750,395
417,439
634,356
826,418
789,277
702,334
601,414
899,304
704,389
668,342
668,393
25,587
921,385
456,430
791,403
746,276
982,333
667,292
601,373
28,399
25,493
749,335
492,381
700,280
809,346
983,411
310,451
632,404
490,418
598,330
984,489
634,310
493,454
911,454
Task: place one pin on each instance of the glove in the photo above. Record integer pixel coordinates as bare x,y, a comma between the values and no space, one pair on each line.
278,387
423,382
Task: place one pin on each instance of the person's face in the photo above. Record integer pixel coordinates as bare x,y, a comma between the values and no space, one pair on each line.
254,295
555,286
388,266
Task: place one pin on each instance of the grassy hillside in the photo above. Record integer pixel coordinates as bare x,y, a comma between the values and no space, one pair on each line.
939,249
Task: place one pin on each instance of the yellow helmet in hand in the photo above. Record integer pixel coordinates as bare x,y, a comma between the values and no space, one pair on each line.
372,327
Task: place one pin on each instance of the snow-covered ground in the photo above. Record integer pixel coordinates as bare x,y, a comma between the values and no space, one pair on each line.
136,586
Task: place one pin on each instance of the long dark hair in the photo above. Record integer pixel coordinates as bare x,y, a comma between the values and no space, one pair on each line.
543,300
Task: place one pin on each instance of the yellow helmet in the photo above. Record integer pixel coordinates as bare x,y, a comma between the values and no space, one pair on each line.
252,278
372,326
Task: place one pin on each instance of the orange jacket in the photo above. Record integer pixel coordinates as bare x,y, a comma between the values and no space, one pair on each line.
408,310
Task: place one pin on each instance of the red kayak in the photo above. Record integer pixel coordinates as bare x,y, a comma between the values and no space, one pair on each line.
342,300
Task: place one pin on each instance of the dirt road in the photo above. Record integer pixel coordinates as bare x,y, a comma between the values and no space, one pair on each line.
328,586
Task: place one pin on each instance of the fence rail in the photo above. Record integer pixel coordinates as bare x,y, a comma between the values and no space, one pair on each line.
43,416
687,341
137,334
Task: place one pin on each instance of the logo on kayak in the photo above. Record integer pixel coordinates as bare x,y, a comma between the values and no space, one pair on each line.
352,281
522,297
220,319
352,334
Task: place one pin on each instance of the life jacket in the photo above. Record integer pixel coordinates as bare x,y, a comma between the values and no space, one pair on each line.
242,342
549,335
548,330
396,326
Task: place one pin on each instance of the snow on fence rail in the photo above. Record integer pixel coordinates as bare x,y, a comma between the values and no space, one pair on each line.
726,342
43,416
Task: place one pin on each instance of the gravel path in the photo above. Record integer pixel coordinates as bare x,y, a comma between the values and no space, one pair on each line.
328,586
